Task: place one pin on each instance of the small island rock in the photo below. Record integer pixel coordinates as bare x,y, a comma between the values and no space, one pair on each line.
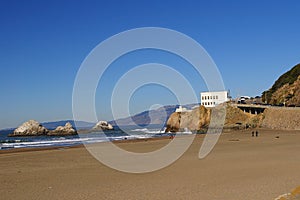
30,128
64,130
103,125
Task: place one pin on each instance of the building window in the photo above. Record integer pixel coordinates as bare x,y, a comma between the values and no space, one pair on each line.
216,97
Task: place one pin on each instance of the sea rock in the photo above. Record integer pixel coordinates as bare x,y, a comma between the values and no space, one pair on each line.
103,125
30,128
64,130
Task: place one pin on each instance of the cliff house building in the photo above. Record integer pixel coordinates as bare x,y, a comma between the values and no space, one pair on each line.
212,99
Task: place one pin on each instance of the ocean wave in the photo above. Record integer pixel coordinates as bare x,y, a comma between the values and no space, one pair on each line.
151,131
87,139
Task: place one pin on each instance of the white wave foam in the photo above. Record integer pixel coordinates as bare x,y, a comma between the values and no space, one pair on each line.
56,142
152,131
140,130
72,141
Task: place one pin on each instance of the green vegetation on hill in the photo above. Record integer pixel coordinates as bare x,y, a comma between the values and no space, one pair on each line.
287,78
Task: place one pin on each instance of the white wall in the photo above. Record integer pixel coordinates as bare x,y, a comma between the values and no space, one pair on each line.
211,99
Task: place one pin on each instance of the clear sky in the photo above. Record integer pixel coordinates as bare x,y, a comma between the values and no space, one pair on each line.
43,43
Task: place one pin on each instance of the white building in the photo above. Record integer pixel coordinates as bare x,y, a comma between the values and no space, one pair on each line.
211,99
180,109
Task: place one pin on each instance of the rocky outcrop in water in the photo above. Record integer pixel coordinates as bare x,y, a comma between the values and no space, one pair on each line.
34,128
64,130
103,125
30,128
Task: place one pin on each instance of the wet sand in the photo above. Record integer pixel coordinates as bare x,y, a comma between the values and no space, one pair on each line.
239,167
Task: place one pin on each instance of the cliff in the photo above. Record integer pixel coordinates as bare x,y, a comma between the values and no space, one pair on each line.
195,120
198,119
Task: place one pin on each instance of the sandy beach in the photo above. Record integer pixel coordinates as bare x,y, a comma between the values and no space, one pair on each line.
239,167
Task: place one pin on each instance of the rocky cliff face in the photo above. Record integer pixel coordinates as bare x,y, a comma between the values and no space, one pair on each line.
195,120
30,128
198,119
279,118
64,130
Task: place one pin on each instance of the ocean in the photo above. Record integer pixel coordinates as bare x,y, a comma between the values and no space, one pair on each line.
119,133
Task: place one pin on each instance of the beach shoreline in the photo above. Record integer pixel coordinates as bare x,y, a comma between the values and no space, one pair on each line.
239,167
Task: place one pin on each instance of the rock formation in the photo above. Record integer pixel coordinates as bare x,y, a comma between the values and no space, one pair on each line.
34,128
103,125
195,120
30,128
64,130
199,119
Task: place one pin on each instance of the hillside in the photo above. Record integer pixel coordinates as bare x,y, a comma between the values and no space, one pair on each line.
158,116
285,89
288,94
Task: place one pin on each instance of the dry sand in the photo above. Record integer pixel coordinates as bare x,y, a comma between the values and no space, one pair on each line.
239,167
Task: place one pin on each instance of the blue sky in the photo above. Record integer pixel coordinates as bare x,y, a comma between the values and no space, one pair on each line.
43,43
